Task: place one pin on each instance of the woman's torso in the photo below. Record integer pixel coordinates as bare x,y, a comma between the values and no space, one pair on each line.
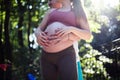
66,19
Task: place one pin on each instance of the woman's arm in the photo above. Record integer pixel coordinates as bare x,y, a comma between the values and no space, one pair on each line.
43,23
41,36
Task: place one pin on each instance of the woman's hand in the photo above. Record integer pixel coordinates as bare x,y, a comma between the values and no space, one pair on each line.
42,39
61,35
62,32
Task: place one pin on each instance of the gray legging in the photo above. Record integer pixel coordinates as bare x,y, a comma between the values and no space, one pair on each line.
62,64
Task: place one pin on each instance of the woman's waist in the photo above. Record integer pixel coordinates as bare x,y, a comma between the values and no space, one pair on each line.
58,47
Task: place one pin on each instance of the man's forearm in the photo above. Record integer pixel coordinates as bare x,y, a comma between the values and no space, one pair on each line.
73,37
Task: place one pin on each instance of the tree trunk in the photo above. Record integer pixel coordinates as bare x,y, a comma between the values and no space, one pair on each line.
1,48
8,49
29,25
20,23
20,35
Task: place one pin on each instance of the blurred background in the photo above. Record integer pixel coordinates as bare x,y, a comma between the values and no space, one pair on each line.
19,52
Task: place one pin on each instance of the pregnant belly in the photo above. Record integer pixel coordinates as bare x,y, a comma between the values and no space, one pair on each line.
50,30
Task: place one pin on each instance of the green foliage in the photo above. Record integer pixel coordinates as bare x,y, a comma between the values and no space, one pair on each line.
25,62
95,27
92,61
92,66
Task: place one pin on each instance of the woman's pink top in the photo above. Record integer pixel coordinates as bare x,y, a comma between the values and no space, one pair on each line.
67,18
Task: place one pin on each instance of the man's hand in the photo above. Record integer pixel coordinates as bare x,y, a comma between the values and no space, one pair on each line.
56,39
